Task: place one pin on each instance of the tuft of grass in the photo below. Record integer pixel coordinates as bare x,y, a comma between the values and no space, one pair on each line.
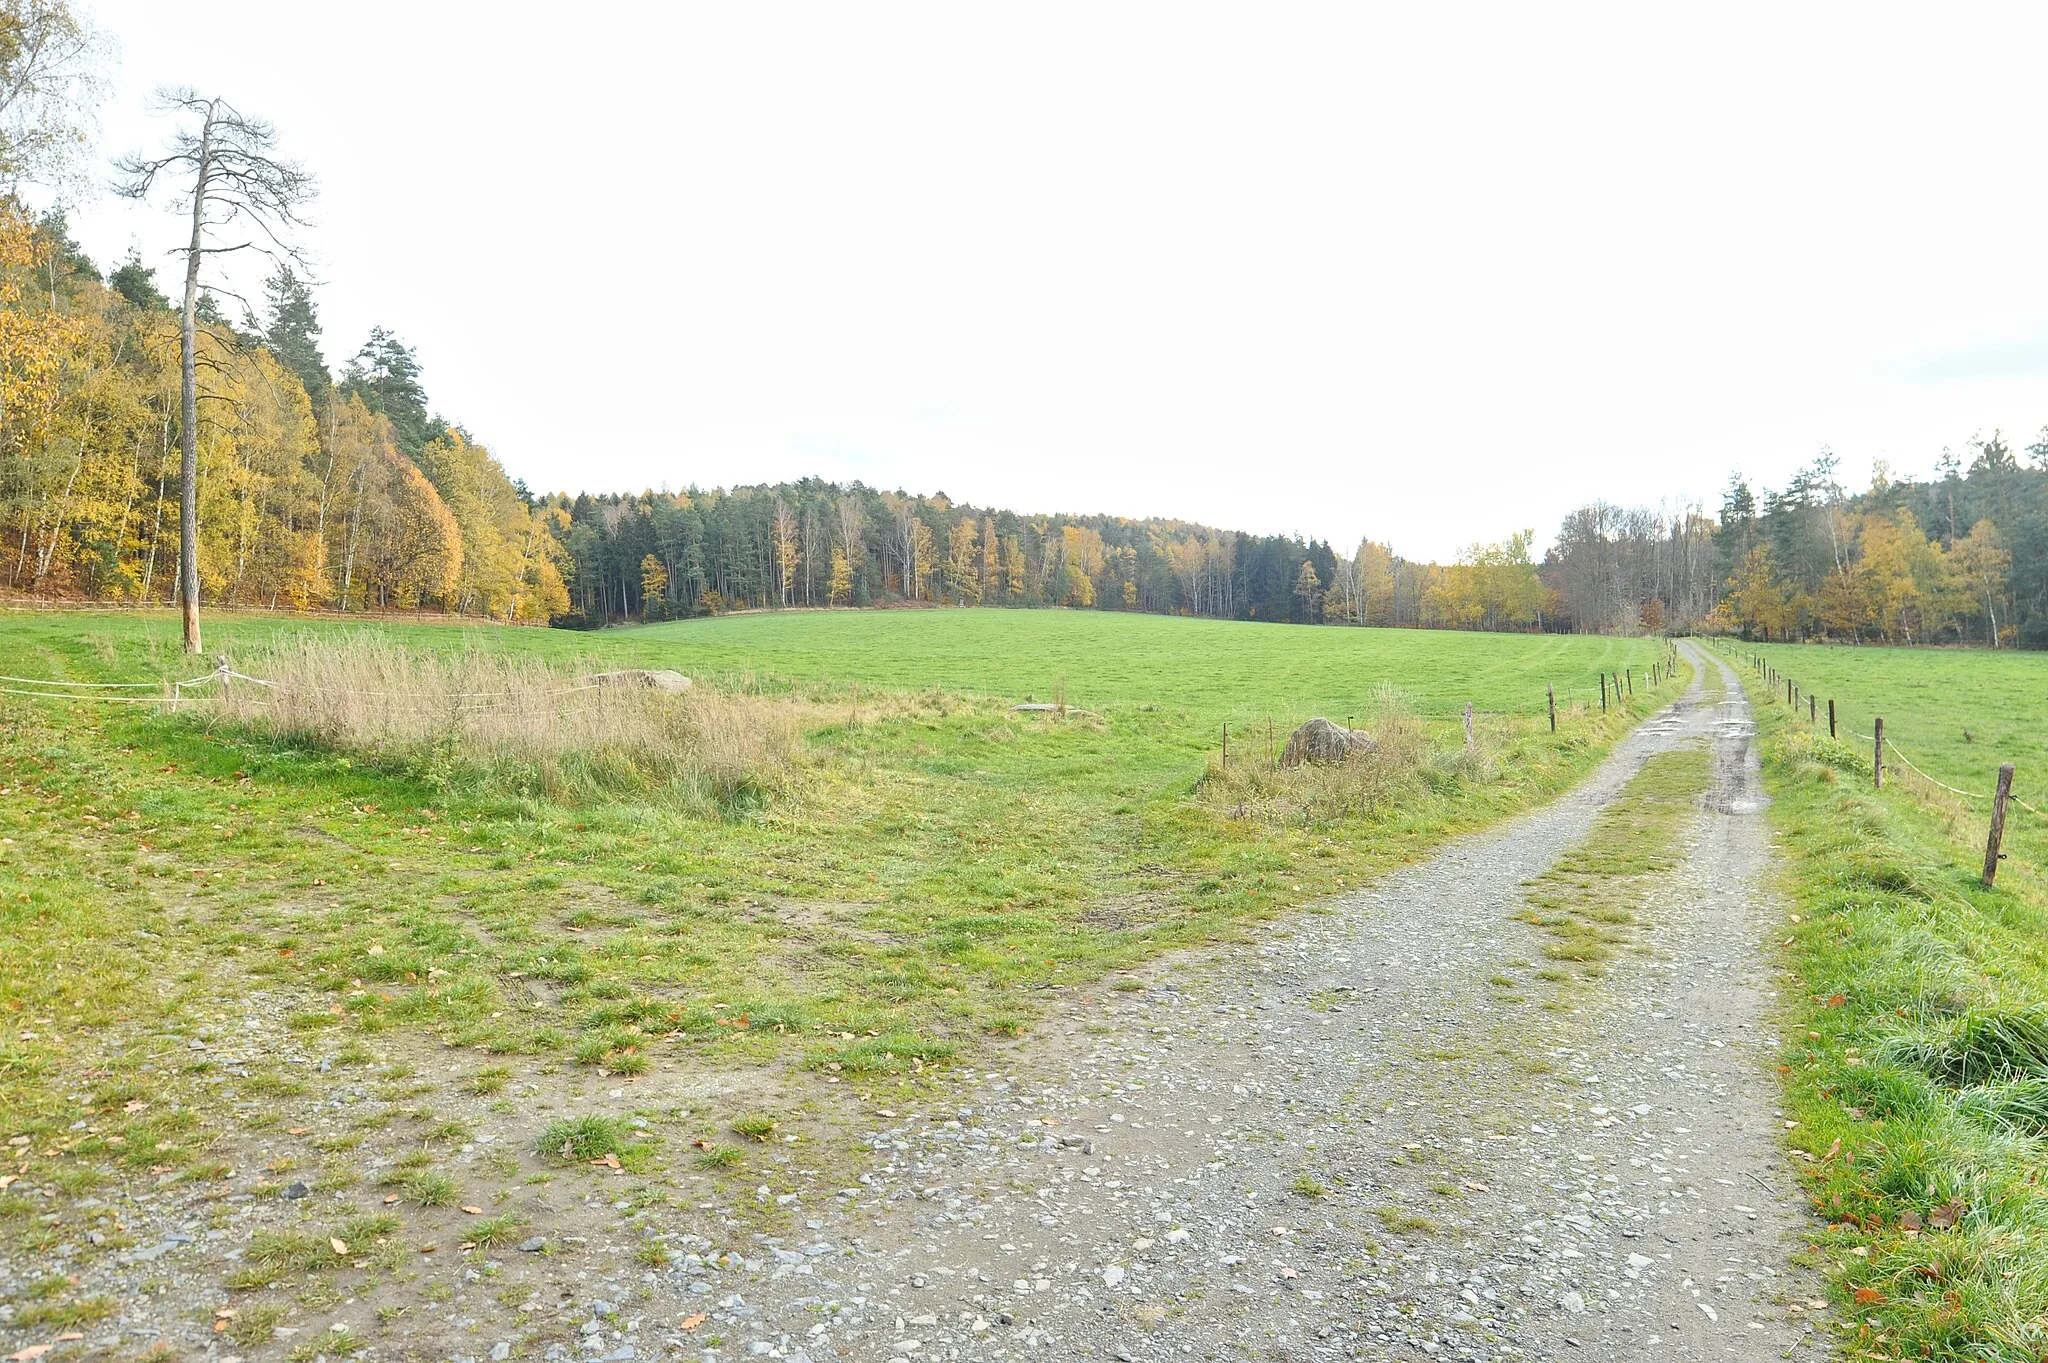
1399,1222
430,1188
494,1230
488,1081
719,1157
757,1126
1304,1186
1977,1046
255,1324
574,1139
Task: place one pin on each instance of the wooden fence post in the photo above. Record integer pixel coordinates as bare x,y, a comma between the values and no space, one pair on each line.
1603,693
1812,709
1991,852
1877,756
1468,723
1831,716
1551,691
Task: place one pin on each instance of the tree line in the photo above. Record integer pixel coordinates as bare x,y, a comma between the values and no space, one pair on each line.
347,492
159,451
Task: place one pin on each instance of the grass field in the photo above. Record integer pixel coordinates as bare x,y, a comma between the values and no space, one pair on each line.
1214,669
1955,713
932,869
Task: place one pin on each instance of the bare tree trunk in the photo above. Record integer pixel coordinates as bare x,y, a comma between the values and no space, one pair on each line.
188,495
48,552
156,532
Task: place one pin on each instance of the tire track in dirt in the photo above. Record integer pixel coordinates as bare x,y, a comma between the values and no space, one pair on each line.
1343,1143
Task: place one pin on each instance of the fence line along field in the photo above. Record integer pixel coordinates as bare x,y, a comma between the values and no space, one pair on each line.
1958,714
298,943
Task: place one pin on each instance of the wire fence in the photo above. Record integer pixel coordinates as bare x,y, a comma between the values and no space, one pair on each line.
1789,692
171,692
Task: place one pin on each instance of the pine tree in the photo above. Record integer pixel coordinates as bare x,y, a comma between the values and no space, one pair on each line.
293,333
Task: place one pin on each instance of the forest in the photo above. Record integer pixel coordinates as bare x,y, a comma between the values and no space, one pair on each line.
348,493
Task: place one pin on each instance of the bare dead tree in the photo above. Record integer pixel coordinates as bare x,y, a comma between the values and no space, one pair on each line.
243,197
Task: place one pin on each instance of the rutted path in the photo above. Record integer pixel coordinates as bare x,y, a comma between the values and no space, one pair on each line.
1347,1144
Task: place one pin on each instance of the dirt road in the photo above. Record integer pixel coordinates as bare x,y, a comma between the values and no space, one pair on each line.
1347,1144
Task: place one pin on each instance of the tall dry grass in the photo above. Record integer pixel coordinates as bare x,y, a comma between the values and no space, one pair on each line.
1403,764
517,725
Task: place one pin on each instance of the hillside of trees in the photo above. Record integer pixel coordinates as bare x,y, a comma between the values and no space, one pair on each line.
348,493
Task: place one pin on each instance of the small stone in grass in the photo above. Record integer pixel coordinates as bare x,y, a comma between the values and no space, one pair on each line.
533,1246
295,1191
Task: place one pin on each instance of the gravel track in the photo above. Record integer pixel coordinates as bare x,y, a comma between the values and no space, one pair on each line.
1605,1178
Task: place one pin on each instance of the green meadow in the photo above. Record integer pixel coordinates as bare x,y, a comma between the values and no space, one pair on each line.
926,866
1213,669
1955,713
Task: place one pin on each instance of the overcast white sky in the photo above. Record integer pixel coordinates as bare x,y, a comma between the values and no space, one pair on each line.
1430,273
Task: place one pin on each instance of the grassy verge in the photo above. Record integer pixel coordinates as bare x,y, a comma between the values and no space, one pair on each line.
1916,1061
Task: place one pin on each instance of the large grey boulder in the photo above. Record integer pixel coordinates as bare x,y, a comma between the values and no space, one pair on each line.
1324,744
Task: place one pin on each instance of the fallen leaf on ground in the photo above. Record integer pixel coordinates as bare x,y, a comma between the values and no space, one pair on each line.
33,1351
1868,1296
340,1245
428,1249
390,1199
692,1322
474,1211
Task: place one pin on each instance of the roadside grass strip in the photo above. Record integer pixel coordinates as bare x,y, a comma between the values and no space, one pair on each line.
1916,1061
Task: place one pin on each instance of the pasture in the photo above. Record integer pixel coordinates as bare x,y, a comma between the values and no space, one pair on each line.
216,933
972,855
1956,713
